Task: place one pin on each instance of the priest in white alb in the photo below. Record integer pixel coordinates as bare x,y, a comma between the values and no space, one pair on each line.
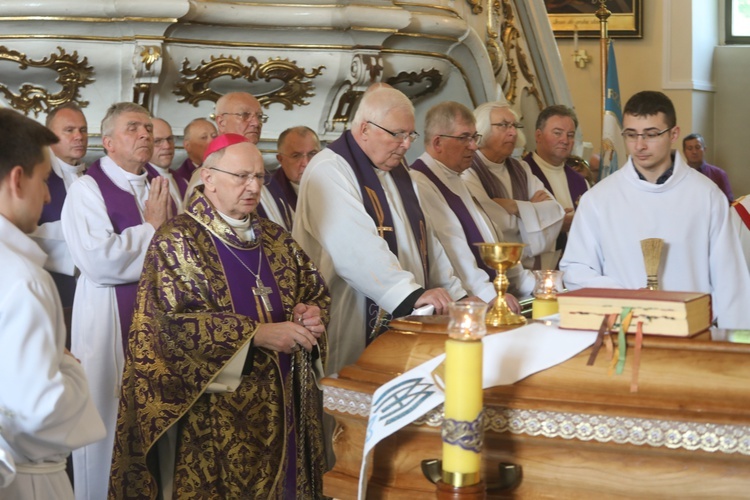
109,217
450,142
359,219
511,195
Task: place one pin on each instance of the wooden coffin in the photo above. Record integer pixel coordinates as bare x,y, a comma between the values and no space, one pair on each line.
575,431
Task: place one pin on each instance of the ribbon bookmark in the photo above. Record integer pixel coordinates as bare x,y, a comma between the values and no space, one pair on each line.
627,316
637,357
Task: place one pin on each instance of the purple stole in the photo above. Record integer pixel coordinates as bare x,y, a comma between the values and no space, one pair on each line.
66,285
244,302
471,231
185,171
280,198
376,206
123,212
290,195
492,185
576,182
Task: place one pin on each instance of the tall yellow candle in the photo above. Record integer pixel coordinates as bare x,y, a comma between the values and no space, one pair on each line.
463,426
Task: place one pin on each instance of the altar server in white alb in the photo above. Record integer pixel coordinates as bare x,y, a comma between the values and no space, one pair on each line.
657,195
109,217
45,406
513,197
450,142
359,219
741,220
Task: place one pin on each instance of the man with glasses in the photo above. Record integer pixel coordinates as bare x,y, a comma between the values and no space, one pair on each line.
161,162
657,195
513,197
359,218
555,136
233,409
450,143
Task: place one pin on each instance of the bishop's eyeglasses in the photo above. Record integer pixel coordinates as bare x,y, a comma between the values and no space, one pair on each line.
649,135
245,177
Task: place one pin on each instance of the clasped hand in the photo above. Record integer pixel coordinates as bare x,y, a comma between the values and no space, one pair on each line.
303,331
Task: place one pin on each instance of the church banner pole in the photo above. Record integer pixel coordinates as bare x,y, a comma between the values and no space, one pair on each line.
603,14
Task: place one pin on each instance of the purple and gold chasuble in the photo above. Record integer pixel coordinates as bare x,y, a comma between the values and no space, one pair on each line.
195,311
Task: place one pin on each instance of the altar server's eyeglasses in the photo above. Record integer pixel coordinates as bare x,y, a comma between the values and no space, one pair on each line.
465,139
507,125
245,178
401,136
648,135
245,117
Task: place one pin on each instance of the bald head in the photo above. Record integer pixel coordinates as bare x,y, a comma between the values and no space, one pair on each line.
240,113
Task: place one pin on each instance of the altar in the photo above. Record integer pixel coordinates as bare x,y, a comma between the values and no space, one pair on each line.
574,430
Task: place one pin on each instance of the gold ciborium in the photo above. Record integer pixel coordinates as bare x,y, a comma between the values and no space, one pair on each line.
501,257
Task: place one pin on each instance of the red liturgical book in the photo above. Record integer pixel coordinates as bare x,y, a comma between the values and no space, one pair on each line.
677,314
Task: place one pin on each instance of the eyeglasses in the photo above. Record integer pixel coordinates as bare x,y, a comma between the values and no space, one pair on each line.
298,156
648,136
507,125
245,117
244,178
401,136
161,140
466,139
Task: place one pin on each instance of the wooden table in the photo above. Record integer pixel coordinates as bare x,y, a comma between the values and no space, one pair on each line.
575,431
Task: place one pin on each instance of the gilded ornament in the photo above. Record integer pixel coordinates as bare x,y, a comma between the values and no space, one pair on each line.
293,82
72,75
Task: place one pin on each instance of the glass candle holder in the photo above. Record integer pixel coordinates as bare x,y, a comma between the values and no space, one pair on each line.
463,429
548,285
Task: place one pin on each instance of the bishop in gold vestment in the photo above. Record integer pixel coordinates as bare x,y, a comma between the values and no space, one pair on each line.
197,314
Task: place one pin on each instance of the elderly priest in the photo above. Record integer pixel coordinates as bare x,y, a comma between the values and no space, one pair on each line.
228,336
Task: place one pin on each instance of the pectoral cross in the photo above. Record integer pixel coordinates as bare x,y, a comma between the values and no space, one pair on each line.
262,291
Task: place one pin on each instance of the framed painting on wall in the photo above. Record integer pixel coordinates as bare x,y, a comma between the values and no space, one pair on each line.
566,16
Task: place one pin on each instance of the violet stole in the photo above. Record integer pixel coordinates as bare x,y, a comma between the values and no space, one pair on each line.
123,212
492,185
279,197
471,231
66,285
240,283
285,185
346,147
576,183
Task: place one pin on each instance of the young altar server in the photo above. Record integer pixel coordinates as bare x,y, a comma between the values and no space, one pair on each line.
657,195
45,406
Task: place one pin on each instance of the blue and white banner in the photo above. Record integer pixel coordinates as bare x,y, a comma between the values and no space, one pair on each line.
613,153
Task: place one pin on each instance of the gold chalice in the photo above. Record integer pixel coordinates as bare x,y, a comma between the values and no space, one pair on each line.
501,257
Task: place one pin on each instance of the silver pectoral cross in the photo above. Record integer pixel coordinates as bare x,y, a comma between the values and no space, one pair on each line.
262,291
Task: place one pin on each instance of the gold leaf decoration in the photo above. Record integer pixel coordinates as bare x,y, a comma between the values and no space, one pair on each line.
72,75
293,82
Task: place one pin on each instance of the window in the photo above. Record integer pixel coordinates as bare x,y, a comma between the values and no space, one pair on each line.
737,21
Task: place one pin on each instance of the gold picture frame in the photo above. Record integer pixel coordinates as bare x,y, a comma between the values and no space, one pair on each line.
566,16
